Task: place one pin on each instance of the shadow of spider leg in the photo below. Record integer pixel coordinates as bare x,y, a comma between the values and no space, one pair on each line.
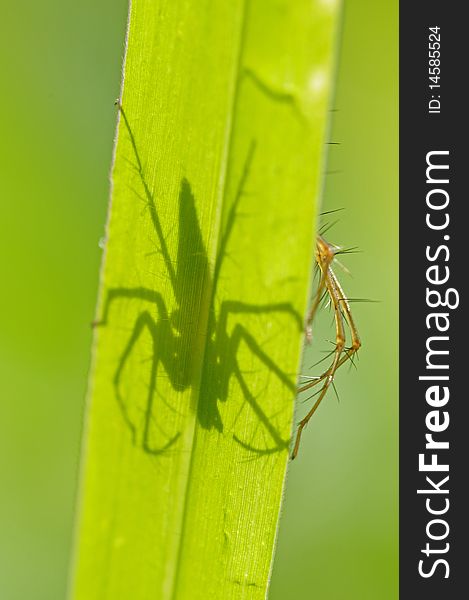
229,347
324,257
164,344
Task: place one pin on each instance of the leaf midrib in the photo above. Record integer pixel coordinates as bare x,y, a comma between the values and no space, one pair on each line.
211,288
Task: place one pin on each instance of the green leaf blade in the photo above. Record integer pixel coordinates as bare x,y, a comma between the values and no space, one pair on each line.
204,289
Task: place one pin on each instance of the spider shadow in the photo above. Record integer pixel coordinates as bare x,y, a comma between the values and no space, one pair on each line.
175,337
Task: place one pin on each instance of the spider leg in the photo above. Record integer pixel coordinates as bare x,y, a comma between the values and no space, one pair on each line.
233,306
136,293
328,376
228,345
324,258
280,443
356,343
231,342
241,334
144,321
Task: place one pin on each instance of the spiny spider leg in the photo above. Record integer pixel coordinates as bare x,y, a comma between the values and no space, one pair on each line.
324,257
356,343
340,342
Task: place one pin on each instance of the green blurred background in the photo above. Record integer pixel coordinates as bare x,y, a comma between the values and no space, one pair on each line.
339,531
60,64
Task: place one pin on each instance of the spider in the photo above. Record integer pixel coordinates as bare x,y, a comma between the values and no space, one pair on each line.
329,284
176,338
